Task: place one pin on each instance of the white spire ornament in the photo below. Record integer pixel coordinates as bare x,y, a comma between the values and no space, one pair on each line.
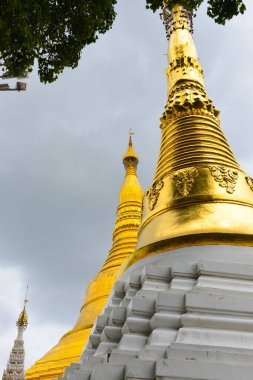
15,365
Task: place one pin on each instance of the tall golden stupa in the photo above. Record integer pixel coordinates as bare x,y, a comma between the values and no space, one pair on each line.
199,195
71,345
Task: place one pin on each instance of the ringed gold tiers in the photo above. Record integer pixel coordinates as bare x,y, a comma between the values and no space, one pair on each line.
71,345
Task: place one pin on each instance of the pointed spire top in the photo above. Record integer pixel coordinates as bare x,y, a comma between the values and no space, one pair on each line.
131,189
130,156
23,318
26,296
131,133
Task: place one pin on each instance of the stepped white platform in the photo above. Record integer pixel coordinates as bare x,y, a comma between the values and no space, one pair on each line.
185,314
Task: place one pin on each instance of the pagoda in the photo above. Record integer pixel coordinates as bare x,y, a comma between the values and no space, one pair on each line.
71,345
15,365
182,305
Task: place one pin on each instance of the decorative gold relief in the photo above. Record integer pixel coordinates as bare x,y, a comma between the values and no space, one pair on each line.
226,177
184,66
188,98
184,180
249,182
153,194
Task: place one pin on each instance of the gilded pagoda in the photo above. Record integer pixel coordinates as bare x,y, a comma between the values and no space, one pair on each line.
71,345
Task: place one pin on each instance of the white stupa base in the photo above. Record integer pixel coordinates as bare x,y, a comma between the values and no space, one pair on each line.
180,315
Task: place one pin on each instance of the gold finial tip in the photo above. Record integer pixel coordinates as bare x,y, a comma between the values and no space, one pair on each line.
26,296
130,154
131,133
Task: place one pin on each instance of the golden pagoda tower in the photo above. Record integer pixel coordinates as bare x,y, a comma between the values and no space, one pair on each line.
71,345
199,195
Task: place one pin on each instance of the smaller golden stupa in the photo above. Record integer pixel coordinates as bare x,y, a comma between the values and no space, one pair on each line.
71,345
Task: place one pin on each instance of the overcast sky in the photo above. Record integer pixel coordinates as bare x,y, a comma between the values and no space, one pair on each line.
61,148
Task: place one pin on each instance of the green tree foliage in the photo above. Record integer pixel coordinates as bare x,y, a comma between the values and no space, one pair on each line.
220,10
55,31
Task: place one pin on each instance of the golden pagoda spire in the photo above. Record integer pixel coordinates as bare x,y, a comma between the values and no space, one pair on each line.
199,195
129,210
71,345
